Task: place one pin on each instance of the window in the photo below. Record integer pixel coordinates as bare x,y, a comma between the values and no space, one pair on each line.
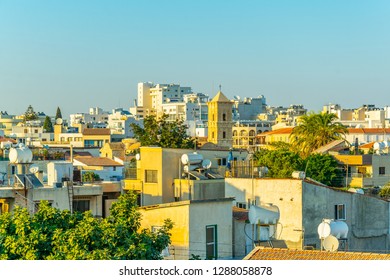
221,161
382,170
81,205
223,134
241,205
340,212
224,117
150,176
211,242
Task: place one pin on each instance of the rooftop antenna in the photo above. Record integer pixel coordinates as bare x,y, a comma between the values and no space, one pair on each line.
220,87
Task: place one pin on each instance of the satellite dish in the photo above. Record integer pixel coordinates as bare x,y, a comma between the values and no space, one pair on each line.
236,97
34,169
59,121
137,156
206,163
331,244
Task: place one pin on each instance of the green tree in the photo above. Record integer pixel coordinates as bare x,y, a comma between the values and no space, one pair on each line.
90,176
314,131
30,114
58,113
52,234
162,133
47,125
324,168
280,163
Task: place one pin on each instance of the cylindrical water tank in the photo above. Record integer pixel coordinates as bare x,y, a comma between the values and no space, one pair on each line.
298,174
193,158
379,146
338,229
264,214
20,154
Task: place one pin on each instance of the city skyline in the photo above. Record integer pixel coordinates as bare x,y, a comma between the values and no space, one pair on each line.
78,55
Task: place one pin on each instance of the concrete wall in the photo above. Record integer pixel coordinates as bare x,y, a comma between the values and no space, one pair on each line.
208,213
200,189
286,194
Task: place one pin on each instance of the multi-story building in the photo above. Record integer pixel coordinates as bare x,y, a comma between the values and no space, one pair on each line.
220,123
248,108
119,123
95,118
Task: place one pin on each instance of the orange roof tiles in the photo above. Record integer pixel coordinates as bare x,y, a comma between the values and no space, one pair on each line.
97,161
262,253
96,131
368,130
286,130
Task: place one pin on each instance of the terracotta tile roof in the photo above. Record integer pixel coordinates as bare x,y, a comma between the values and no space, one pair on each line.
367,145
97,161
240,214
117,146
96,131
262,253
286,130
368,130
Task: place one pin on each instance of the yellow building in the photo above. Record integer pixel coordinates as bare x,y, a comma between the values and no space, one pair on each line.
112,150
96,137
278,135
220,121
157,168
202,228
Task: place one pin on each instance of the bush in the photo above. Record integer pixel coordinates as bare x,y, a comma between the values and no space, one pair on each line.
385,192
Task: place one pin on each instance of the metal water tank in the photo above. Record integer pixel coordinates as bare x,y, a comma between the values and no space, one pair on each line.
20,154
264,214
193,158
336,228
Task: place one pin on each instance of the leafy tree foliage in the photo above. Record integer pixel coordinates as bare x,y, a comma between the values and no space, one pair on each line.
30,114
385,192
314,131
90,176
282,163
58,113
163,133
47,125
323,168
52,234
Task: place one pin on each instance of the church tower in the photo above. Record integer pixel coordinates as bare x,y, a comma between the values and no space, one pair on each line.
220,123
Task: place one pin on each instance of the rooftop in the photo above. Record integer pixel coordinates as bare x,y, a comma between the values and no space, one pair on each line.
263,253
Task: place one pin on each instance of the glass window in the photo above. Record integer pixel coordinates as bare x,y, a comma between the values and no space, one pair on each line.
340,212
211,242
382,170
81,205
150,176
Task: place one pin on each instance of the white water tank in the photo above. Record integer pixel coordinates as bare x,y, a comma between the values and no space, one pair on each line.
20,154
379,146
298,175
264,214
189,159
338,229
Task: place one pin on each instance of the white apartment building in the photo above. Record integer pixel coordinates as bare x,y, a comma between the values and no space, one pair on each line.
152,96
96,116
248,108
31,133
119,123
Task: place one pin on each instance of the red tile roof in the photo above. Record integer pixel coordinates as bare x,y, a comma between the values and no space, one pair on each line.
367,146
286,130
368,130
262,253
97,161
96,131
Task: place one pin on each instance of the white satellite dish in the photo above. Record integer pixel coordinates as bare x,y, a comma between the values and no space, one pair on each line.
331,244
34,169
137,156
59,121
206,163
236,97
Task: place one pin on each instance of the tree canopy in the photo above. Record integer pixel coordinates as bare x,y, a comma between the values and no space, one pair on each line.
52,234
47,125
314,131
162,133
30,114
58,113
281,163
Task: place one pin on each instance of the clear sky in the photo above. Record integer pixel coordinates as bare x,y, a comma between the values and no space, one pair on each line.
78,54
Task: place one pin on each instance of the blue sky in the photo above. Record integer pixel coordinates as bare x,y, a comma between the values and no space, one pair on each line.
79,54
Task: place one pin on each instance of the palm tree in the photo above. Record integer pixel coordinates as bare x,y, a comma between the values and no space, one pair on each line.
316,130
